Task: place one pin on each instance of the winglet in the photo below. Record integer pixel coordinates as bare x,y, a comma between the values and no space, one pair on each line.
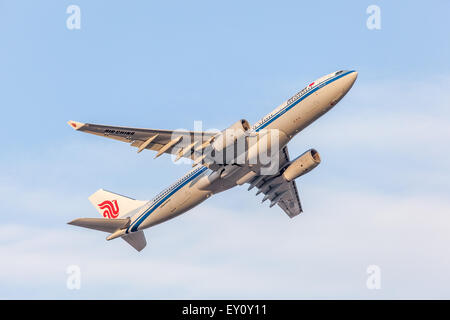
74,124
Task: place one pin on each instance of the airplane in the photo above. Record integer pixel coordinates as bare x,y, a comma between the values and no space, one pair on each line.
219,161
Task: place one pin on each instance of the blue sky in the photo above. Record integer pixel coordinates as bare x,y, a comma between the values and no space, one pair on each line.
379,197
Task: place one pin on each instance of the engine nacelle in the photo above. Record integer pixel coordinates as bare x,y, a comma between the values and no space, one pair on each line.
303,164
229,136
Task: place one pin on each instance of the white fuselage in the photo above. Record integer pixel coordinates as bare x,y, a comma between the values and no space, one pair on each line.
289,118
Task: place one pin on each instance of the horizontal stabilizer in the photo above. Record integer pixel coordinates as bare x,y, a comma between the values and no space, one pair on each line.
100,224
136,240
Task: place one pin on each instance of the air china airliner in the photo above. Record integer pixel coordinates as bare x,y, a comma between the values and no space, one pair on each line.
241,154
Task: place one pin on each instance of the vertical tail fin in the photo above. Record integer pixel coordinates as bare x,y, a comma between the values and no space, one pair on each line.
117,210
112,205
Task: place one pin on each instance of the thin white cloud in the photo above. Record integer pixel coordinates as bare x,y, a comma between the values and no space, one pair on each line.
212,252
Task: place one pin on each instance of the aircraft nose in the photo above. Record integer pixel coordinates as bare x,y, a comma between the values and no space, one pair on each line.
350,80
352,77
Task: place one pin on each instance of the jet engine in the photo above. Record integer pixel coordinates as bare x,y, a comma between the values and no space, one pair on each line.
303,164
229,136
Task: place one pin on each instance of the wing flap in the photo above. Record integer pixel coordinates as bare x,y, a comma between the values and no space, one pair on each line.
278,190
290,201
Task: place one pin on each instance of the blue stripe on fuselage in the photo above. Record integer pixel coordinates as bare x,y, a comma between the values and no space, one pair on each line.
153,207
288,107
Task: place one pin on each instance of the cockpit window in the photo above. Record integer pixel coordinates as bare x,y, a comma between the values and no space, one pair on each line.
339,72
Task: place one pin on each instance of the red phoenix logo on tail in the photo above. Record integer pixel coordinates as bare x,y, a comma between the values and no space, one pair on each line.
111,209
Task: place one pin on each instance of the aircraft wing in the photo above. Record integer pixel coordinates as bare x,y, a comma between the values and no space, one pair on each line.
176,142
278,190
